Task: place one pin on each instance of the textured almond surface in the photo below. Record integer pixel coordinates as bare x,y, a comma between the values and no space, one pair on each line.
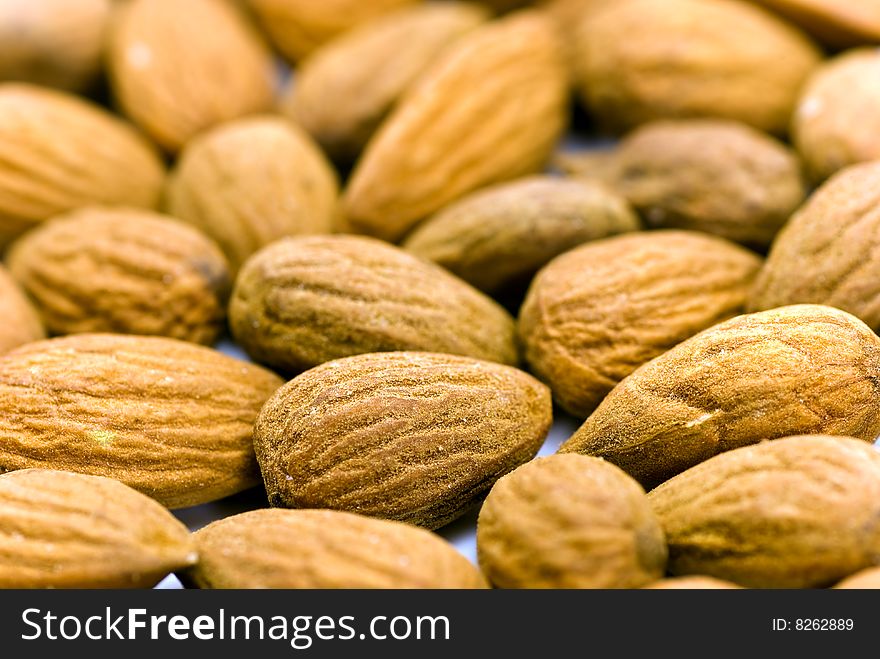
804,369
597,313
178,68
692,583
21,323
490,110
836,22
568,521
837,122
325,549
865,579
799,512
171,419
691,58
126,271
345,90
721,177
826,253
253,181
58,153
415,437
64,530
57,43
304,301
501,236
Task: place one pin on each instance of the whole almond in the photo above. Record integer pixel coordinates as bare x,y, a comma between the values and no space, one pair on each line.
799,512
126,271
568,521
253,181
739,63
415,437
863,580
59,153
56,43
178,68
64,530
692,583
836,23
796,370
824,255
597,313
489,110
324,549
170,419
303,301
710,175
21,323
344,91
499,237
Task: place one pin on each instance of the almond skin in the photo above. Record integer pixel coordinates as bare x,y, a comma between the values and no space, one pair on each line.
304,301
568,521
324,549
65,530
692,583
126,271
864,579
836,23
347,88
414,437
21,323
59,153
499,237
597,313
178,68
804,369
252,181
799,512
170,419
490,110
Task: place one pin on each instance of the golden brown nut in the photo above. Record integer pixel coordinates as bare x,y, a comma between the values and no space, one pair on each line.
864,579
692,583
835,22
21,323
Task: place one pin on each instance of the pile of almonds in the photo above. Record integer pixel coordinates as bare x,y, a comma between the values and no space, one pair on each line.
385,205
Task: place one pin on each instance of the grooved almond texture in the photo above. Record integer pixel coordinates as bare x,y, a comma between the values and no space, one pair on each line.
597,313
804,369
692,583
304,301
864,579
325,549
827,253
568,521
253,181
838,23
168,418
126,271
58,153
799,512
490,110
499,237
178,68
414,437
65,530
346,89
21,324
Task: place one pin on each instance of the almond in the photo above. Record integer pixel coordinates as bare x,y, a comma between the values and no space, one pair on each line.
692,583
836,23
21,323
864,579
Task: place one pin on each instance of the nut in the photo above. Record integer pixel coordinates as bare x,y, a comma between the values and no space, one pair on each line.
21,324
864,579
839,24
692,583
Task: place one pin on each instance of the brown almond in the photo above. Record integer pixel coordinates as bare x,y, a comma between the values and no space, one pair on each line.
692,583
836,23
868,579
21,323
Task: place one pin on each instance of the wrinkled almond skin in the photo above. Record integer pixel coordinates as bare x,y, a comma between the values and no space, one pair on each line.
824,255
414,437
178,68
252,181
490,110
301,302
55,43
838,116
347,88
834,22
58,153
720,177
569,521
799,512
597,313
21,323
65,530
299,27
692,583
170,419
804,369
325,549
740,63
499,237
868,579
